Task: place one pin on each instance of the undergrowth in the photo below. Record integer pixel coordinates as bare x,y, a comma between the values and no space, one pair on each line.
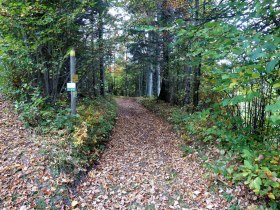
71,143
243,157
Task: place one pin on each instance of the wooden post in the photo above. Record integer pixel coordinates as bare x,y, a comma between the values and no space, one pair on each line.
73,72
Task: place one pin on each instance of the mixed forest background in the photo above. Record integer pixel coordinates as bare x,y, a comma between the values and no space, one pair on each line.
216,61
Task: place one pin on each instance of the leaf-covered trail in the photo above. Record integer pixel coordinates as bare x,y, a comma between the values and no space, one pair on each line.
143,168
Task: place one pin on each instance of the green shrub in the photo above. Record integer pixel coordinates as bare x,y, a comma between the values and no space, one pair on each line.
261,170
30,108
243,156
84,136
71,143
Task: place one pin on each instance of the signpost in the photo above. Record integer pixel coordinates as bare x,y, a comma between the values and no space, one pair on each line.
72,85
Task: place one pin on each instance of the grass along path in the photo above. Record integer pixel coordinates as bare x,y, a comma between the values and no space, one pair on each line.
143,168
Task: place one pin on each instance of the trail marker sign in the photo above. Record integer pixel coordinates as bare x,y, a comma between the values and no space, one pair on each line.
75,78
71,87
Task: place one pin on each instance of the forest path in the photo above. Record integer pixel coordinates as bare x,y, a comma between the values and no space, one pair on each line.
143,168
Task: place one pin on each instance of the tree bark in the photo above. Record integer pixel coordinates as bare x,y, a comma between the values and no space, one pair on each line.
158,78
196,85
93,69
188,73
197,69
150,81
165,87
101,55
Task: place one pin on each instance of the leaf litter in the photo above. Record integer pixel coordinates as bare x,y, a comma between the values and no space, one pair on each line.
143,167
25,179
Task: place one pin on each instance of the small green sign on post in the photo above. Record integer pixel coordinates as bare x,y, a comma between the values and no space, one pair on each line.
71,87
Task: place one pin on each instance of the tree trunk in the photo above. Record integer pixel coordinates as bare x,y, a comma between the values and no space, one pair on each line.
196,85
46,82
158,78
143,90
93,69
157,75
188,73
197,69
150,81
165,87
140,84
101,55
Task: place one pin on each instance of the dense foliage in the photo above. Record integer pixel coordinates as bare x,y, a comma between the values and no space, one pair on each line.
35,40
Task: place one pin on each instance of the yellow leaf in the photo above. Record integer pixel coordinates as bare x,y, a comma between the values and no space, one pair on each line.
256,191
184,137
233,83
277,85
274,162
74,203
255,75
271,196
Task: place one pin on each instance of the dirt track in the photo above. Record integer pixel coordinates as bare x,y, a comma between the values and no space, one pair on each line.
143,168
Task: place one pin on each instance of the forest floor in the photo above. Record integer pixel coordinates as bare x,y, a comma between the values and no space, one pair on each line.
144,168
25,181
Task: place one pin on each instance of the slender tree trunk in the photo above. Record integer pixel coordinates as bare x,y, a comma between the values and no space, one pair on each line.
101,55
46,81
196,85
126,75
165,87
93,69
56,78
158,78
150,81
197,69
139,84
157,75
143,91
188,88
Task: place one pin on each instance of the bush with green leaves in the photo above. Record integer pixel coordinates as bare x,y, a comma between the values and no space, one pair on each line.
29,105
83,137
71,143
261,170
